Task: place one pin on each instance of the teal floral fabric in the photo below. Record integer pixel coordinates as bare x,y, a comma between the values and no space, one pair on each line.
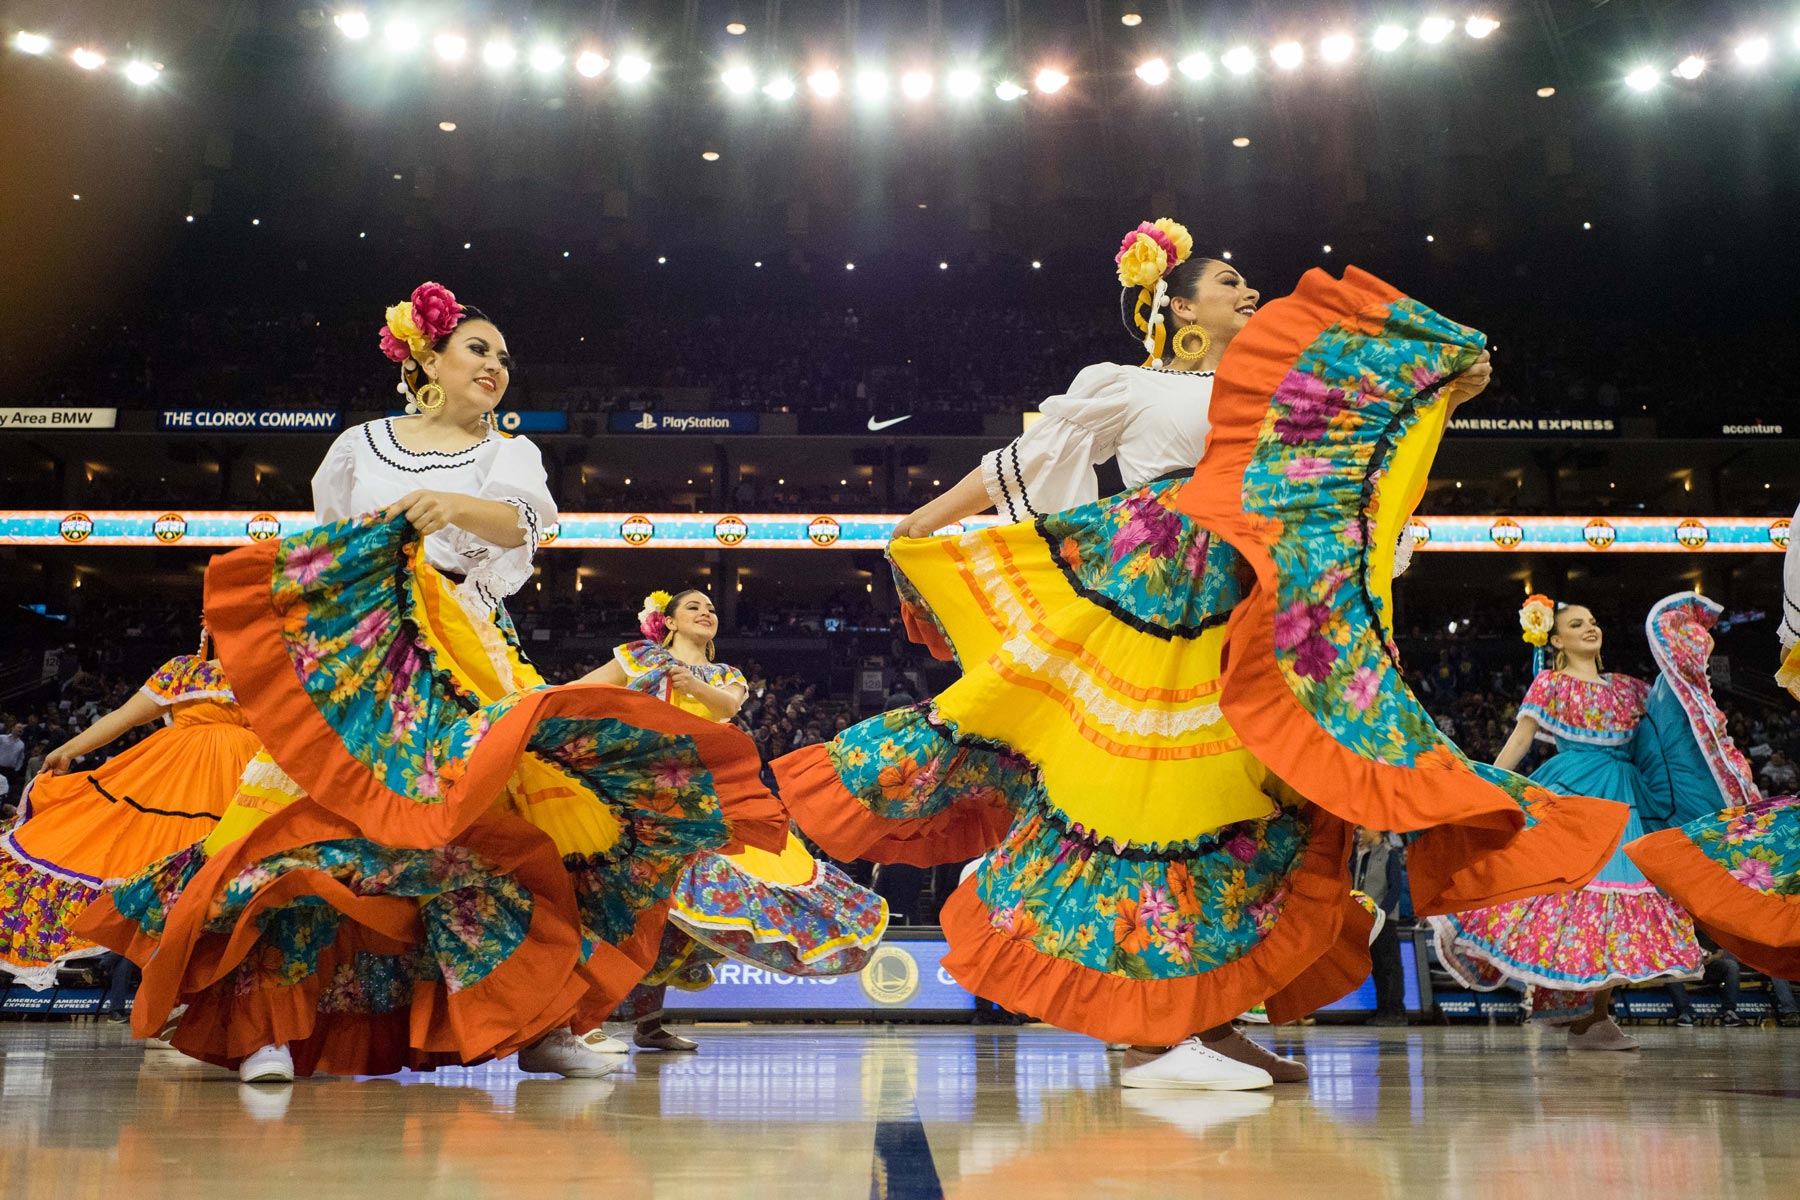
911,763
1757,843
146,898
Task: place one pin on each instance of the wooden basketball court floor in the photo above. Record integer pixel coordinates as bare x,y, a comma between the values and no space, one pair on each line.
915,1112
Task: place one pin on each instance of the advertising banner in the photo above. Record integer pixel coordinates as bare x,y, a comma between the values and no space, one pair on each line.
257,420
1535,427
903,976
37,420
683,422
894,424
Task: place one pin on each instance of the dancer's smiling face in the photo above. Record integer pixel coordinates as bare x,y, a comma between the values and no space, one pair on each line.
1577,633
1221,301
692,615
472,365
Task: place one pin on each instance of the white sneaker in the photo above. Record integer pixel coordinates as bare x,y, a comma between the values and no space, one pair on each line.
601,1042
560,1052
271,1064
1192,1066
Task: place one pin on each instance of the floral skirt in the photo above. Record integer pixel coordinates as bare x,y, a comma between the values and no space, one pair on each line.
437,858
78,834
1177,703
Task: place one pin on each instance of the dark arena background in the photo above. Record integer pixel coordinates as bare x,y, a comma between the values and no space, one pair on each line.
774,274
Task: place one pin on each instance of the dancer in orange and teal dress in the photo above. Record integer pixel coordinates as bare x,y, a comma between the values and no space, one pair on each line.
436,859
1663,752
1178,702
79,832
785,912
1737,869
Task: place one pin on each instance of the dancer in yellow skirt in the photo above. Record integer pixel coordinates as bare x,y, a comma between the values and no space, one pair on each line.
436,859
1178,702
788,913
79,832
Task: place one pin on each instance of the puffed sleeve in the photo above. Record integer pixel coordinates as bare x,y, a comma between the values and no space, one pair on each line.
517,478
169,681
336,477
1540,703
1050,466
1790,590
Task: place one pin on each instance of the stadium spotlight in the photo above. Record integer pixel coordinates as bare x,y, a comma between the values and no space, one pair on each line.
1240,142
1154,72
1195,66
88,60
1131,20
825,83
545,58
962,83
871,84
499,54
1240,60
451,47
591,64
779,89
447,126
1288,55
1008,91
1691,67
1643,79
739,79
401,35
1389,38
1480,25
1752,52
1435,29
916,85
1544,93
710,155
353,25
634,68
142,73
1050,81
737,29
30,43
943,266
849,266
1337,48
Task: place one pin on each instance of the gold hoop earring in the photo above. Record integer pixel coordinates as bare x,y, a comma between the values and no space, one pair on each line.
1183,349
712,652
1562,660
430,397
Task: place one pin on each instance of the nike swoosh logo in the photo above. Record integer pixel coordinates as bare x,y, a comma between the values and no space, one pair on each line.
877,426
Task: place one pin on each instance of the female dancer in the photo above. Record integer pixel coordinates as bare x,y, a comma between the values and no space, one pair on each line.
786,912
1178,702
436,859
1737,870
79,833
1619,929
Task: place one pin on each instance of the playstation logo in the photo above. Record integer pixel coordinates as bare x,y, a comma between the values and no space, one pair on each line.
647,423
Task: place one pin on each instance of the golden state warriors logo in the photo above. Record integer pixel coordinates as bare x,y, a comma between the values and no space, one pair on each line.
892,976
1505,533
1691,533
1778,531
1599,534
170,527
730,530
262,527
551,532
76,527
1419,531
637,529
824,530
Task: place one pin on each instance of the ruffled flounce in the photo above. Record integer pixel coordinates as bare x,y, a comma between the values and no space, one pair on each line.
1738,873
825,924
1601,936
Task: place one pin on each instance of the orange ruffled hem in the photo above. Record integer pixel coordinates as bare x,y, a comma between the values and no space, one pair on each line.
1316,952
537,988
1440,791
247,630
922,631
844,828
1761,929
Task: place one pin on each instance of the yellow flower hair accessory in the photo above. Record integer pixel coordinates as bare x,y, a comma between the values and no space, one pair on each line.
404,330
1146,256
1537,618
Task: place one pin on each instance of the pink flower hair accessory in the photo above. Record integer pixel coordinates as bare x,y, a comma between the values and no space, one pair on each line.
652,622
435,310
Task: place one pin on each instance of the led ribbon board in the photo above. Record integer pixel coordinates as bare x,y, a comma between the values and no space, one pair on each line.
869,531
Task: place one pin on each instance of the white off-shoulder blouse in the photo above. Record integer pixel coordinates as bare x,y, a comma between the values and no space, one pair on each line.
1152,422
368,469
